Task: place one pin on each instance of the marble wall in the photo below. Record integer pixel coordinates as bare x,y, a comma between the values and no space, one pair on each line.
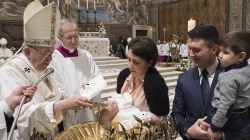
239,15
235,15
248,15
173,17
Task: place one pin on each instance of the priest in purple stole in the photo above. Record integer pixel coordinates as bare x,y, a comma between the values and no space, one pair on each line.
74,70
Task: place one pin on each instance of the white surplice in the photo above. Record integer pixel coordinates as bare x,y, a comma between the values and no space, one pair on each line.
70,74
5,53
38,114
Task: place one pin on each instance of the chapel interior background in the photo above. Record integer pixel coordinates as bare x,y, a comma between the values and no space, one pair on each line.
123,17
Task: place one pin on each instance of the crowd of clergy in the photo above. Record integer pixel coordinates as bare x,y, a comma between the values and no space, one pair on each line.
174,50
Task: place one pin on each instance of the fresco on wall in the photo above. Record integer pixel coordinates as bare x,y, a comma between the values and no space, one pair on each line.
107,11
248,15
13,9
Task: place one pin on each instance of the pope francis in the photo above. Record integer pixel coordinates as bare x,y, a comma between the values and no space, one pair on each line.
40,117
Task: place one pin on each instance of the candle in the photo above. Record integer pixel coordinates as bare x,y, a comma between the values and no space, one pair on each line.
58,3
191,24
164,33
78,4
127,4
87,4
94,5
48,2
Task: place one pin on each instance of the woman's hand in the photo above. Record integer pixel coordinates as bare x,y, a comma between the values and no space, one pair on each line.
108,113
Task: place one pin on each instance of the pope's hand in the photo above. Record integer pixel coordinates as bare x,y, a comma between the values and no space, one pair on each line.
72,103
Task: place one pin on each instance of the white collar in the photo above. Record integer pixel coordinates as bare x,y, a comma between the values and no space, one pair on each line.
211,69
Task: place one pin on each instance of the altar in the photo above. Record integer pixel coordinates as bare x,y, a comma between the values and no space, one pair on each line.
96,46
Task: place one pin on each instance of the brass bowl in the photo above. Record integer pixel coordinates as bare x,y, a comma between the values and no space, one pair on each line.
163,129
86,131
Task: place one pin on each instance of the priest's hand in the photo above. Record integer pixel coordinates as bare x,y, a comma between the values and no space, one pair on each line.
108,113
15,98
71,103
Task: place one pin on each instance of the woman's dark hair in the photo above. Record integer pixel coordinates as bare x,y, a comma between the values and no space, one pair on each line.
144,48
238,41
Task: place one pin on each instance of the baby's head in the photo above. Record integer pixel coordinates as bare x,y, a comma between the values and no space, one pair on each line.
235,48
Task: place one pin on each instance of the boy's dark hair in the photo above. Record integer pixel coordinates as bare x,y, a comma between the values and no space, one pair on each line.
207,32
144,48
238,41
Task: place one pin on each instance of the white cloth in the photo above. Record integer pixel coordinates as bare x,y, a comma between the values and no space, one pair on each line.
4,108
184,50
3,128
159,49
37,114
127,110
165,49
70,74
5,53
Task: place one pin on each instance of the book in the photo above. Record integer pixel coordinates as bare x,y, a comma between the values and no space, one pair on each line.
93,87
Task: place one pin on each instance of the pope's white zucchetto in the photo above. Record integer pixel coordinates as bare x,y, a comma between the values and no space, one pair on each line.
41,24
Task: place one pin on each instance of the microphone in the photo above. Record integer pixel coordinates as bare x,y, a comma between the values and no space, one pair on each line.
47,72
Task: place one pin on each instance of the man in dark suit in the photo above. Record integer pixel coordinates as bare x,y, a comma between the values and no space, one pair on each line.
192,102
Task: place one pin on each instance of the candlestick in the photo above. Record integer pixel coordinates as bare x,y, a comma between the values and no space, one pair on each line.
87,20
95,21
79,16
48,2
94,5
87,4
58,3
87,12
191,24
78,4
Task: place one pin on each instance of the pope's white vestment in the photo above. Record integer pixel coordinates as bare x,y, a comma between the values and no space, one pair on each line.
70,74
36,116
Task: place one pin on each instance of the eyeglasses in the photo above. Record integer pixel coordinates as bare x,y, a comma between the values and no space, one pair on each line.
69,38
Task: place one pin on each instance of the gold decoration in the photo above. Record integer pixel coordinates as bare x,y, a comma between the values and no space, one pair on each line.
164,129
97,106
88,131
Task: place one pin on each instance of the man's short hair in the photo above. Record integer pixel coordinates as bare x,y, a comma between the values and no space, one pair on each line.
64,21
207,32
